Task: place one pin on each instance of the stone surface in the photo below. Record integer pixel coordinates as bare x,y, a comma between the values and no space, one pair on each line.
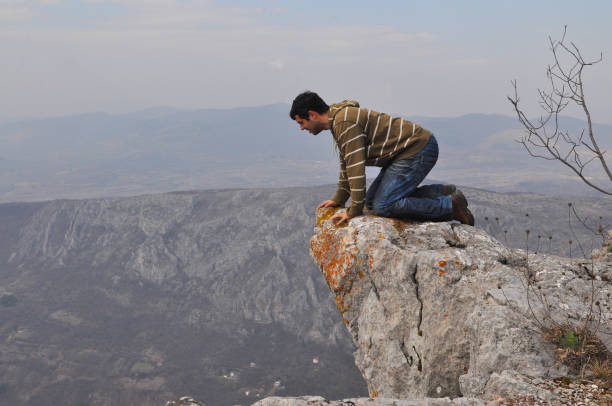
320,401
184,401
605,253
445,310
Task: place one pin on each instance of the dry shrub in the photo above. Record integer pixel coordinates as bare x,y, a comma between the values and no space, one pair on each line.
581,351
602,371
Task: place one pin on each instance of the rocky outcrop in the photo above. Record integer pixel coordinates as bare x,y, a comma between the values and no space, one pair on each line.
444,310
539,393
320,401
184,401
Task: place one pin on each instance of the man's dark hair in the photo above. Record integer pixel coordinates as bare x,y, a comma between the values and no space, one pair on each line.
307,101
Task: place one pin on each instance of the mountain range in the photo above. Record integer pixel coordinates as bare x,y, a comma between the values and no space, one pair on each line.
165,149
209,293
113,291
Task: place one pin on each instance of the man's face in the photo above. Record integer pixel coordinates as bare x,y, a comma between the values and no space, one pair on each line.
310,124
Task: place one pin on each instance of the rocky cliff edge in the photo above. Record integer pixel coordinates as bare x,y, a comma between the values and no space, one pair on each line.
443,313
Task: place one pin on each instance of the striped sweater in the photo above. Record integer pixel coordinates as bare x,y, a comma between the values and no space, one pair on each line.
367,137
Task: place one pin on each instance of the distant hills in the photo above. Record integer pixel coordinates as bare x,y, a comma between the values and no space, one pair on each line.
165,149
136,301
139,300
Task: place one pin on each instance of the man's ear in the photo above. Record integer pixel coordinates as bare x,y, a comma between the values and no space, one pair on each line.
312,115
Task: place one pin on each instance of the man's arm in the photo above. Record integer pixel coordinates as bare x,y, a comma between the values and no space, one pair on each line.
352,145
343,191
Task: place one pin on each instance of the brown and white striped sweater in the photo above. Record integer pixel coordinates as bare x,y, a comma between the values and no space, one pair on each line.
367,137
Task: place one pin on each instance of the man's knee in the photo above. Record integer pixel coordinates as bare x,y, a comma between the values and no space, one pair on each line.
380,208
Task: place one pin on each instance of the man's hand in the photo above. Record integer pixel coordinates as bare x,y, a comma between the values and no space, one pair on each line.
327,203
339,218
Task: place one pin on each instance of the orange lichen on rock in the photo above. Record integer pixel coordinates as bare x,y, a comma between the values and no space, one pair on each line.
334,256
441,272
340,303
400,225
442,263
325,214
374,394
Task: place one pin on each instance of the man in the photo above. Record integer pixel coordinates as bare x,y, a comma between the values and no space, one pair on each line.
405,151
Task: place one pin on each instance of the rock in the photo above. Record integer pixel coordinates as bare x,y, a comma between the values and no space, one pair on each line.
509,384
319,401
605,253
444,310
184,401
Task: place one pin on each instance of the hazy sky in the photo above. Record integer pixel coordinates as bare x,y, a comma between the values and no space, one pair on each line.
434,58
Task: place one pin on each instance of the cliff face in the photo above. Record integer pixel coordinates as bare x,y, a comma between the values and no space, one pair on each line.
441,310
212,245
137,293
124,298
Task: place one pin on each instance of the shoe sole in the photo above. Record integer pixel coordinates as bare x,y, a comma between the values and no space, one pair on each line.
470,217
462,204
460,198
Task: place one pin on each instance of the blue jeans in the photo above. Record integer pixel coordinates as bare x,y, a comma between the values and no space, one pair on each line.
394,192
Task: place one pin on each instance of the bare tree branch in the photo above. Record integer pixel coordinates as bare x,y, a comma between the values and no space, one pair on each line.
545,139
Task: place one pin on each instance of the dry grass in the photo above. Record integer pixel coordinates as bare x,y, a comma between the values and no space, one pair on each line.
602,372
585,355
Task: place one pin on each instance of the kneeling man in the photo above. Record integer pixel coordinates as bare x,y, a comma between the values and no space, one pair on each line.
405,151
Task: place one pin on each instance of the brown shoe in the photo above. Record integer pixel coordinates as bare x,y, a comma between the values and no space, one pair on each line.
470,217
448,190
460,211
